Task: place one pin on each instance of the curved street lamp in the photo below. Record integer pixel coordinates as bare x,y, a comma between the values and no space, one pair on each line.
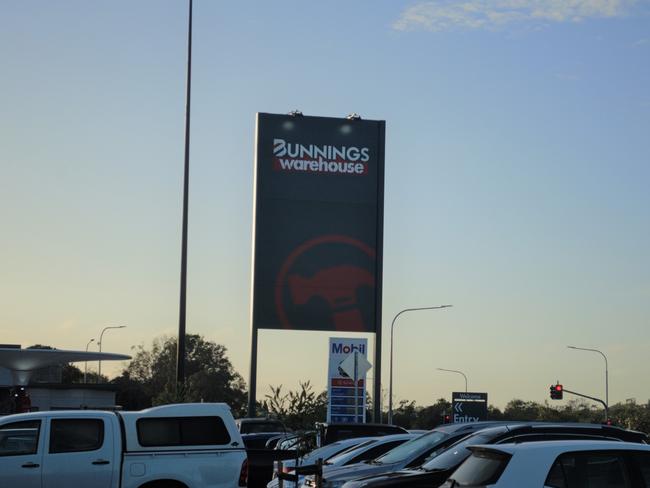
99,372
392,327
86,363
455,371
606,369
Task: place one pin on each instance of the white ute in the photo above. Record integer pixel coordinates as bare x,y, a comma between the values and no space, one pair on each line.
195,445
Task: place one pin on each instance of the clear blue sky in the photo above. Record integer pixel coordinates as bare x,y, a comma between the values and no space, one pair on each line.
517,174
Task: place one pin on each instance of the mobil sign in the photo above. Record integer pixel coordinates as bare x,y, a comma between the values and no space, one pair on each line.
343,403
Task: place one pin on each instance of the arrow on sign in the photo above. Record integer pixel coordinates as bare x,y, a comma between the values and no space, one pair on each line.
362,365
458,407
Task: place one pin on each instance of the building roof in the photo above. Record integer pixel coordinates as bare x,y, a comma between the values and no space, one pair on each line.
22,362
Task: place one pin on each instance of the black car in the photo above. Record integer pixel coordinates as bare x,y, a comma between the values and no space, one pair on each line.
434,472
259,425
332,432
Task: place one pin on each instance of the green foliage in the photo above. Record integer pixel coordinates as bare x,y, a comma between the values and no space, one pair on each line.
629,415
410,416
71,374
297,409
150,377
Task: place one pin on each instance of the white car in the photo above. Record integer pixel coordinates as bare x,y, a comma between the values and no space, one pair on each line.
555,464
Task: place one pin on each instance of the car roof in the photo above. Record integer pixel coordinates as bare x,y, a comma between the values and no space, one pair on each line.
576,427
20,417
560,446
396,437
474,426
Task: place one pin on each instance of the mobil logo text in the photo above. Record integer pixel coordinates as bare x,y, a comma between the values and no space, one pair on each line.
342,348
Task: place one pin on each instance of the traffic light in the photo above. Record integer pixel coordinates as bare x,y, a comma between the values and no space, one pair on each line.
556,392
446,418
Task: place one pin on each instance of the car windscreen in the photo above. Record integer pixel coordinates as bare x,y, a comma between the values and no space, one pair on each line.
412,448
350,451
458,452
328,451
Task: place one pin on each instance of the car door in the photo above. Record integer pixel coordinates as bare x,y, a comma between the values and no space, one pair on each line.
21,451
640,462
79,453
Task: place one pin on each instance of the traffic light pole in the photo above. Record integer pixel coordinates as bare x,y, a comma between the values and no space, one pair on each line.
590,398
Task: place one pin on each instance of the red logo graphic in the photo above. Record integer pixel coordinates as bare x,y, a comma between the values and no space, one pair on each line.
336,285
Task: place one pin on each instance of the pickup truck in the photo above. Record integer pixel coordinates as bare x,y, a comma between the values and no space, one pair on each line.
173,446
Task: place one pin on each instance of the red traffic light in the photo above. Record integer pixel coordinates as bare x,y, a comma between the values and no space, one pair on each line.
557,392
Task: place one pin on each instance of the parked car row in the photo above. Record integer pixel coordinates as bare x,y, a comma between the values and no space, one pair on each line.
488,453
200,446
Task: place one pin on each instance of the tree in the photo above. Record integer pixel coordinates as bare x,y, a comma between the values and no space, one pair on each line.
297,409
210,376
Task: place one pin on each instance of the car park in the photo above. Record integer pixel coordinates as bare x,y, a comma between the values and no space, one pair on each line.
438,469
366,448
411,453
555,464
324,453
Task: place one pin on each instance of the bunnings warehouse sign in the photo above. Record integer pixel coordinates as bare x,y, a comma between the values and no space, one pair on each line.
340,385
319,189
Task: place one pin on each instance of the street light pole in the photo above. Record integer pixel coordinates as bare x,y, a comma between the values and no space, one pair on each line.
99,371
455,371
606,369
86,364
390,381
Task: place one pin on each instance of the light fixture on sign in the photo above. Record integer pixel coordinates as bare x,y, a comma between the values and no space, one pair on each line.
295,113
353,116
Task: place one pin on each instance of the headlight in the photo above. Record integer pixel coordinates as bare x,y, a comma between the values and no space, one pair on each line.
310,481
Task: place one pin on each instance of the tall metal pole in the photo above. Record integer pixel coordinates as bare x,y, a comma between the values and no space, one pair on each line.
379,269
180,351
356,387
390,382
252,381
86,363
606,369
455,371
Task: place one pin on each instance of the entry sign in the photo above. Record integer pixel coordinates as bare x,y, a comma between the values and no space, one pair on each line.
469,407
341,396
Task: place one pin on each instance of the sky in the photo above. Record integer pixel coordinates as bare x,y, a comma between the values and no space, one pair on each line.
517,172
